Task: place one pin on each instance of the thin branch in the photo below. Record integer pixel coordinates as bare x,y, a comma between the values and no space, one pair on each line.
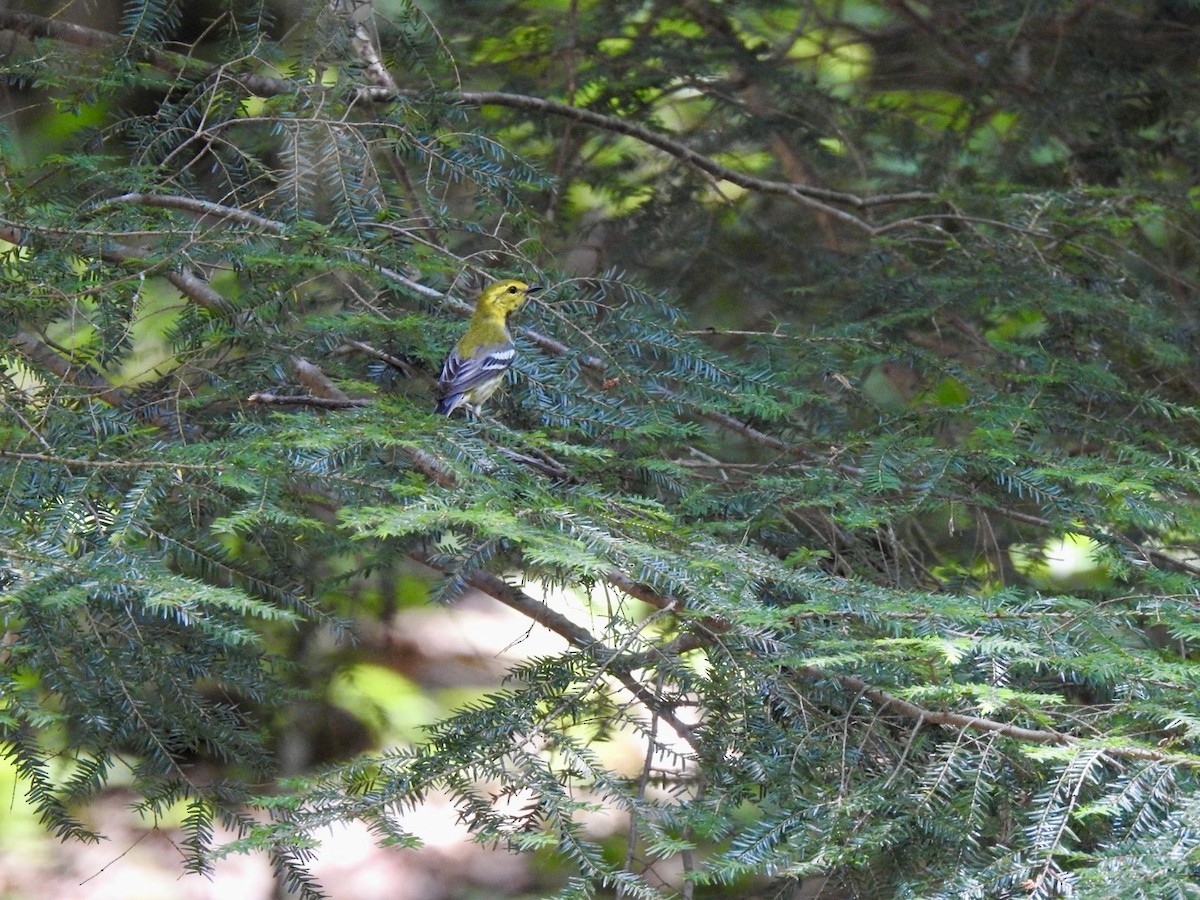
769,440
642,785
887,701
1160,558
176,64
194,205
576,635
548,466
80,463
45,357
822,199
816,197
535,610
217,210
547,344
35,27
639,591
663,711
267,398
395,362
190,285
917,713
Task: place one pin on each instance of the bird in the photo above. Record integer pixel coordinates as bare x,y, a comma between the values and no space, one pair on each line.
476,365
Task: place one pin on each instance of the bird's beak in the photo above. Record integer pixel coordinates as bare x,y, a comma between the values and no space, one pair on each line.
532,288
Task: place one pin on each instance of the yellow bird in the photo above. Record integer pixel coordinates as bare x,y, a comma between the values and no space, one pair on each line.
476,365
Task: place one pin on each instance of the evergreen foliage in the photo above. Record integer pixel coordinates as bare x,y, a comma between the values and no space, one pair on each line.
860,317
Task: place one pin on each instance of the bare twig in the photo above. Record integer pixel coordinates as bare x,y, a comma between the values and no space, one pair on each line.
395,362
244,217
80,463
267,398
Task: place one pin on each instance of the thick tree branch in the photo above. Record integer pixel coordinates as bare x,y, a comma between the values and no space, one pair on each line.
431,467
324,393
317,381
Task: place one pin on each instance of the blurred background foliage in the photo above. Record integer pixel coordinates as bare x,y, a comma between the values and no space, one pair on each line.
835,537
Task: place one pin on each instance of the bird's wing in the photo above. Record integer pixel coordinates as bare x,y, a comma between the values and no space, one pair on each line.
489,361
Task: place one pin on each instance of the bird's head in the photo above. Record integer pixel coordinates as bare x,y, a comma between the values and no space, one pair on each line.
503,297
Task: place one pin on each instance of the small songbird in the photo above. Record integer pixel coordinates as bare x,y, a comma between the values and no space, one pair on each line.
476,365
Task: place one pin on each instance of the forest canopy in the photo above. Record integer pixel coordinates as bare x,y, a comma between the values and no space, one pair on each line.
849,451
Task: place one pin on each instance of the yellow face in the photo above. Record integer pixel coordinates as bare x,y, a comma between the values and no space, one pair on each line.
505,296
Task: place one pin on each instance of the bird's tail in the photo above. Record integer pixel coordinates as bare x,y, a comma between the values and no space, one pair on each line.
448,404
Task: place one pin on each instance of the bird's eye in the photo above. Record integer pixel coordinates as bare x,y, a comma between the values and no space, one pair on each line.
512,289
